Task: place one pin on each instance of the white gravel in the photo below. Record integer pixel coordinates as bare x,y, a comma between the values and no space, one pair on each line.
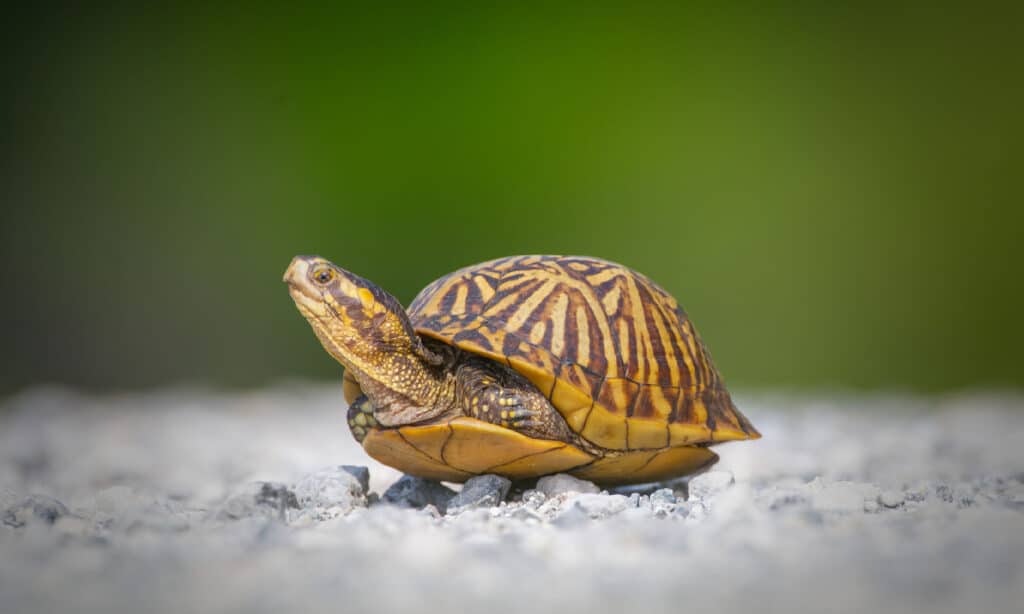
188,501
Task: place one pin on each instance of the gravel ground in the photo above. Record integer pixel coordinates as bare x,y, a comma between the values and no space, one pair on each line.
185,500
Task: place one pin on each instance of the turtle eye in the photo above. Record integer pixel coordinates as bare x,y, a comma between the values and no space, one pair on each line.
323,275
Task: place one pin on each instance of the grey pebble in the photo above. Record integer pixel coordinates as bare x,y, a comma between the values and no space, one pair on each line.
330,493
414,492
891,498
663,496
360,473
480,491
663,502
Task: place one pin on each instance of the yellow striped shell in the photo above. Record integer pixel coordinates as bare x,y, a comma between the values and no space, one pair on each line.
613,351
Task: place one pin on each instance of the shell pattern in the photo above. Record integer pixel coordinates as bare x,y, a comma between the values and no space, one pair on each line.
614,352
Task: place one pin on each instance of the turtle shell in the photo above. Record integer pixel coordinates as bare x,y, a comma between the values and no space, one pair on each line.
463,447
614,353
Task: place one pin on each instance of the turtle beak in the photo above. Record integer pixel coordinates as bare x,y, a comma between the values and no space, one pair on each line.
297,278
298,269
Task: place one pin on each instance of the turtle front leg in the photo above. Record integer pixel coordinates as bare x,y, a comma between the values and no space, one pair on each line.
497,394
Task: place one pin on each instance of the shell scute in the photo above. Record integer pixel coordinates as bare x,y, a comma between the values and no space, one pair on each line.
574,387
618,395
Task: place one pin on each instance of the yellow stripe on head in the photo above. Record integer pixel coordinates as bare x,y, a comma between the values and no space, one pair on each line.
367,298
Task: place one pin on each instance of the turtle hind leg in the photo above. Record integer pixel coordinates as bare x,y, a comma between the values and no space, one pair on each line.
497,394
360,417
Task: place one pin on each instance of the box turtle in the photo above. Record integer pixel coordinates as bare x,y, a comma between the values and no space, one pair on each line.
522,366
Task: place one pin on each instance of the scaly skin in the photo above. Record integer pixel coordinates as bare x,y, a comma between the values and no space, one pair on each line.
405,381
497,394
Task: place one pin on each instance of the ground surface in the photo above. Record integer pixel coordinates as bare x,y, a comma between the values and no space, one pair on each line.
881,505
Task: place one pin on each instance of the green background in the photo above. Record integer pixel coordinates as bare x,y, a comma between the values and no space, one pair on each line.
833,194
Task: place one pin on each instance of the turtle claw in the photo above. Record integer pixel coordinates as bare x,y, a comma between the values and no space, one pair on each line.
526,424
509,399
520,418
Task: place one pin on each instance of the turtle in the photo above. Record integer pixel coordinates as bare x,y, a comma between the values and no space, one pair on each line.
522,366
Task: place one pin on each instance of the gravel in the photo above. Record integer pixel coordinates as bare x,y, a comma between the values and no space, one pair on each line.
188,500
33,508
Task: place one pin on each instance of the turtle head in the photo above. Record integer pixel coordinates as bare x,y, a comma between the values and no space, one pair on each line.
358,323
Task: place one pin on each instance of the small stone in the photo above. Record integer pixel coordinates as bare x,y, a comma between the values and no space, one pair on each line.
533,498
709,484
330,493
414,492
600,506
34,507
662,502
561,483
663,496
891,498
480,491
360,473
871,506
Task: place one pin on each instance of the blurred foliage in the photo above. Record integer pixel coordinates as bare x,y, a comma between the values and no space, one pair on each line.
833,194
